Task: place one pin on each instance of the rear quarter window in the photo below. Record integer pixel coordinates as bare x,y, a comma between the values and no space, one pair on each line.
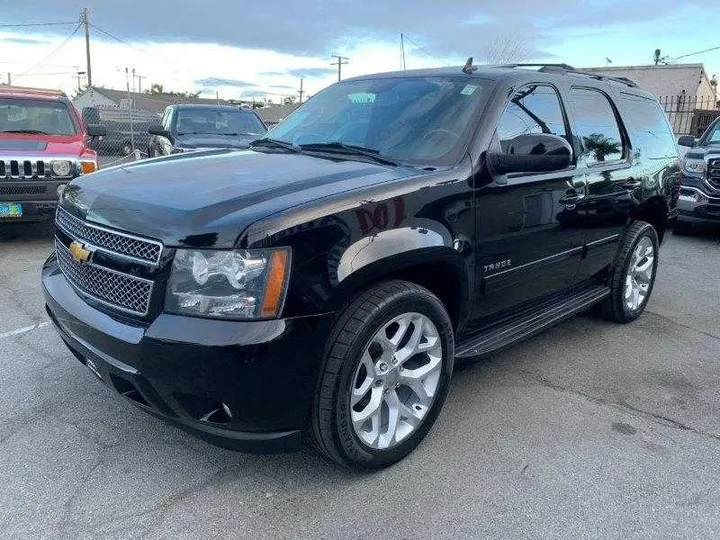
651,131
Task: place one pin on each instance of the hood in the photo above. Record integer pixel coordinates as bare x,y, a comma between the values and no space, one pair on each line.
214,141
207,199
18,143
702,152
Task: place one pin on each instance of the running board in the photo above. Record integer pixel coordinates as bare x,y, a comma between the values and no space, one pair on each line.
528,323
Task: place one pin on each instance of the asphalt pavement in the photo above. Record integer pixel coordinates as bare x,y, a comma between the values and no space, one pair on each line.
591,430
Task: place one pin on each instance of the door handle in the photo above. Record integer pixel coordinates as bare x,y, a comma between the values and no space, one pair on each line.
571,198
631,185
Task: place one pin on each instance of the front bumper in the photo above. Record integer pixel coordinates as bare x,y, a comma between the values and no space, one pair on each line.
33,211
242,385
691,210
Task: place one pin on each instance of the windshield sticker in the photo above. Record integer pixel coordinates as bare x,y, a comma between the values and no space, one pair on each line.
469,89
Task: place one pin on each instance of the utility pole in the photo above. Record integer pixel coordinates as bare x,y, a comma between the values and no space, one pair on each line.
341,61
84,20
9,79
301,92
402,48
140,78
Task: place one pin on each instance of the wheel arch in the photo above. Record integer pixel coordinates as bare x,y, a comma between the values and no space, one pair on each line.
655,212
440,269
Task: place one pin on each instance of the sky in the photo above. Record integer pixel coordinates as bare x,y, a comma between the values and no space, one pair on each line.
263,49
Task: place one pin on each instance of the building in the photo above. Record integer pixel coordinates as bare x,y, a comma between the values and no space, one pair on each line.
685,91
107,97
273,114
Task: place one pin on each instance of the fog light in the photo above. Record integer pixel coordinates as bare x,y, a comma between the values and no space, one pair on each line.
61,168
61,190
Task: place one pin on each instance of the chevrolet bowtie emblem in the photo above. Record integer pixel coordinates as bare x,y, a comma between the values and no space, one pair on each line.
79,252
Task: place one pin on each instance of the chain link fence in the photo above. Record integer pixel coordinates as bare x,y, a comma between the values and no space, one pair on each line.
127,131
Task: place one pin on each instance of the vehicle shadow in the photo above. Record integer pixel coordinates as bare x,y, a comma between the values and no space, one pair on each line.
20,232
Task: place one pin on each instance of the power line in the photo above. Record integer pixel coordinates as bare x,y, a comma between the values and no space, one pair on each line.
421,49
694,53
27,25
53,52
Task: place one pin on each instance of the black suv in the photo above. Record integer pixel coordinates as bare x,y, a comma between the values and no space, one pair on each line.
188,128
700,193
325,281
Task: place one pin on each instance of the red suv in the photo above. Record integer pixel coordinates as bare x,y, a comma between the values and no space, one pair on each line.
43,146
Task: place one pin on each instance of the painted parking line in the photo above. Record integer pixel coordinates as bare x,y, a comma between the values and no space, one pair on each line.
24,330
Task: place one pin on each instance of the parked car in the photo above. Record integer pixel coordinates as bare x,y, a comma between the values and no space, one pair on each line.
699,201
325,281
188,128
127,129
43,146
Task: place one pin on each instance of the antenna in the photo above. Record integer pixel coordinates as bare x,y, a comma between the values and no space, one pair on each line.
469,68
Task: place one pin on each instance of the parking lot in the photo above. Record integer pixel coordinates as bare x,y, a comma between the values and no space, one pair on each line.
590,430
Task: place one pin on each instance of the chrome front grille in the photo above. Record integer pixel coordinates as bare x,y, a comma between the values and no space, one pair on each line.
121,244
24,168
713,174
115,289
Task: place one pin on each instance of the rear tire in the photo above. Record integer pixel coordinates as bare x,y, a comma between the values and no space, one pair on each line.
633,277
385,376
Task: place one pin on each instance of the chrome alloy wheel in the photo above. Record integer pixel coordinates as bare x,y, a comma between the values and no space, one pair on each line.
395,383
640,274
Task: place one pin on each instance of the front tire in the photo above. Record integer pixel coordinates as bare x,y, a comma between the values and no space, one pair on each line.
633,277
385,376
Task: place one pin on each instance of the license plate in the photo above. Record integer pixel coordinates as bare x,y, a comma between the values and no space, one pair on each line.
10,210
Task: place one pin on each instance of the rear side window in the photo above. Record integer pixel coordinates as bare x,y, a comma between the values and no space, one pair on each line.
596,126
652,131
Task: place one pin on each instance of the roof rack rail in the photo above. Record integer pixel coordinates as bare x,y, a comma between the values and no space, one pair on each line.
565,68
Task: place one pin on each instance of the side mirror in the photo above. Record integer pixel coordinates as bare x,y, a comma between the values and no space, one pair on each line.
687,140
534,153
157,129
96,130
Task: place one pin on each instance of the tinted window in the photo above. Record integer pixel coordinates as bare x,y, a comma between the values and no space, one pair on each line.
596,125
535,109
652,131
712,135
420,120
211,121
35,116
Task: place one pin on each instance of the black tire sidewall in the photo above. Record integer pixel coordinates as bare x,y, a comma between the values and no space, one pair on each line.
352,447
647,231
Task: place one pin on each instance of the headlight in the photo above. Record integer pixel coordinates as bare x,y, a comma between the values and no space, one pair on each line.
228,284
61,167
694,166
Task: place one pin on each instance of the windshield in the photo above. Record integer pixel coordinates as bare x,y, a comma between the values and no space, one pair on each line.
35,116
712,136
418,120
217,122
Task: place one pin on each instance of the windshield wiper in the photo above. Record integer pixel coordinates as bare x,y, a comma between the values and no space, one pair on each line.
350,149
275,143
26,131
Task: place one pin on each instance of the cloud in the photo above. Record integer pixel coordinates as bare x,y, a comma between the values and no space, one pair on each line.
272,73
460,27
253,93
23,41
311,72
283,87
214,82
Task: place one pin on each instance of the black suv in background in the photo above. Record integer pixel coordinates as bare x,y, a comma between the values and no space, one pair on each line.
700,193
187,128
325,281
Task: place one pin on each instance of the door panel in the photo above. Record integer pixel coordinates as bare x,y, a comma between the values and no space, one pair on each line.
529,242
611,176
